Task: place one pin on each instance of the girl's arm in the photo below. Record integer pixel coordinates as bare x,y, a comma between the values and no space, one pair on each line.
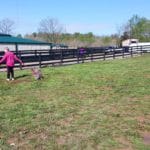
3,59
17,59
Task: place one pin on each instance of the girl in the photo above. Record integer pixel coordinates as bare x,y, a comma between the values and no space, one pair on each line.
10,58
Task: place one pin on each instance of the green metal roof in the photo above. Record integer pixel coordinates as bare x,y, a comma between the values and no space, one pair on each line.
8,39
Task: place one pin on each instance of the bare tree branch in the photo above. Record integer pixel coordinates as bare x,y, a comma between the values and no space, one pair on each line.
51,29
6,26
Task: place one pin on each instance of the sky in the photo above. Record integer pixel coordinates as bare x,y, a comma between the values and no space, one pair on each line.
102,17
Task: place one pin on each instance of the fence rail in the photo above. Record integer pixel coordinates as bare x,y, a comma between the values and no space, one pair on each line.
70,56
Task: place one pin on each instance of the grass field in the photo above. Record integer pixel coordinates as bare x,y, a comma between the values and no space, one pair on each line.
102,105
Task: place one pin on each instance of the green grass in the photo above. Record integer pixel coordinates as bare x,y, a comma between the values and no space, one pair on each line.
100,105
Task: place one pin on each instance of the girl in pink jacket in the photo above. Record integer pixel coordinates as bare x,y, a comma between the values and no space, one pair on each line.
10,58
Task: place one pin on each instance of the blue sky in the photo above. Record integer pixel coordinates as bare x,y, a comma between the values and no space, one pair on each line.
102,17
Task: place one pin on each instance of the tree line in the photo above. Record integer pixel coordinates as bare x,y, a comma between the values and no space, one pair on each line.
51,30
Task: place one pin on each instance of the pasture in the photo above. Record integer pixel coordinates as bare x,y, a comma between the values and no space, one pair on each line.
100,105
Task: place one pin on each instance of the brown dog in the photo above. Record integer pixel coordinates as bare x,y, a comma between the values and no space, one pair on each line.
37,74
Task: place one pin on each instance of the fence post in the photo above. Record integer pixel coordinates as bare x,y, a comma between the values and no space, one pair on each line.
16,47
82,57
141,50
113,53
91,51
61,56
123,52
77,55
54,54
104,57
19,53
74,53
137,50
49,52
40,59
35,52
131,51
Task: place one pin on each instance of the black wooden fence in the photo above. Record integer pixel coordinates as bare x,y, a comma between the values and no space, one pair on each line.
55,57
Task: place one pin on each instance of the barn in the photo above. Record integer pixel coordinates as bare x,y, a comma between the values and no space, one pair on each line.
18,44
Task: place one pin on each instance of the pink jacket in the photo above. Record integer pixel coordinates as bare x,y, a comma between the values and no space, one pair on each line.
10,59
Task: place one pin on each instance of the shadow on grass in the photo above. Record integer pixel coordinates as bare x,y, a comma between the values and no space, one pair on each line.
22,76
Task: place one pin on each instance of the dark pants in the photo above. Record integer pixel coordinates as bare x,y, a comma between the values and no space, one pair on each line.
10,71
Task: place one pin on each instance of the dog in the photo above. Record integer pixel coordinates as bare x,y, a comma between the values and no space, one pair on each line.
37,74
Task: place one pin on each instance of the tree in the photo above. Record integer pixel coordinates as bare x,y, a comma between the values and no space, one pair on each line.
51,29
6,26
142,30
146,33
34,34
137,27
19,36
